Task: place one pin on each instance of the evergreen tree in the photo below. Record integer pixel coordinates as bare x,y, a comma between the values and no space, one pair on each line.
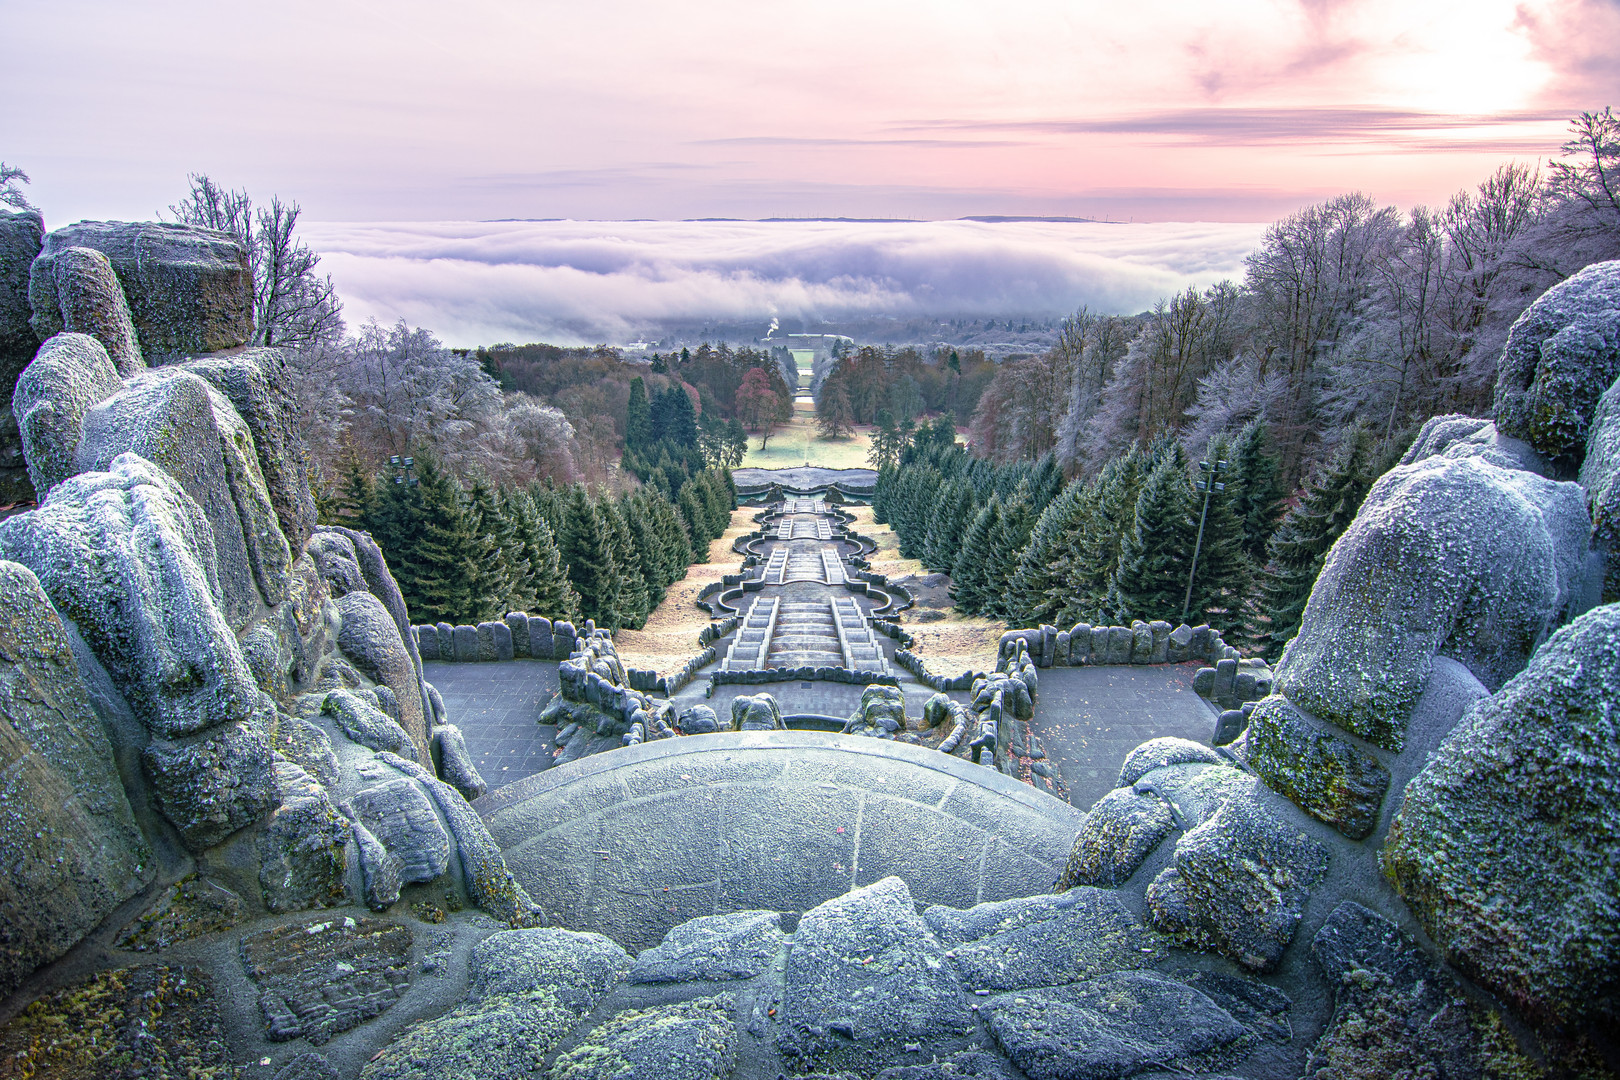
631,602
1155,556
1034,591
950,520
835,416
493,564
548,589
969,575
674,420
638,416
1300,545
1256,486
1087,570
357,498
430,530
587,549
1011,537
695,515
1224,577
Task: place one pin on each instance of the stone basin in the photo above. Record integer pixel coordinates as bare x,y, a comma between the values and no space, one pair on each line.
632,842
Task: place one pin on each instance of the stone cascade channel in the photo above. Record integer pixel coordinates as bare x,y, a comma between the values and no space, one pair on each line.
799,629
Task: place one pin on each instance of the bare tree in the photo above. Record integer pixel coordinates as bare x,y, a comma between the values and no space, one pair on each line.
292,307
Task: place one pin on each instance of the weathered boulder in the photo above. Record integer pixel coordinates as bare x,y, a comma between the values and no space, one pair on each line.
20,237
1326,774
1238,882
71,373
1396,1012
866,978
1504,845
401,818
259,383
1451,556
70,851
21,234
320,979
190,290
212,785
1600,476
366,724
339,562
1113,1026
372,641
1160,752
739,945
184,426
453,762
1122,829
125,554
756,713
526,990
302,850
1043,940
489,882
689,1040
1561,355
77,291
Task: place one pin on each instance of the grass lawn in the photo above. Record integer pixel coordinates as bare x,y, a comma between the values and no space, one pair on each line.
796,443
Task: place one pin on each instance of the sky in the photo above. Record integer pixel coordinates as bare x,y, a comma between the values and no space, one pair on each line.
1161,110
398,125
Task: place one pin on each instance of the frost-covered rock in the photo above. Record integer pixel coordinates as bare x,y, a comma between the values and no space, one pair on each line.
212,785
1600,476
526,990
1239,882
70,374
1451,556
351,561
866,978
689,1040
1122,829
1044,940
259,384
399,815
368,725
1160,752
1561,355
303,850
21,234
372,641
1457,436
453,762
190,290
1327,775
180,423
76,291
1504,846
126,555
70,851
739,945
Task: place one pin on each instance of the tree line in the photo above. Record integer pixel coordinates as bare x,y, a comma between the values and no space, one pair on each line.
470,552
1026,547
1350,314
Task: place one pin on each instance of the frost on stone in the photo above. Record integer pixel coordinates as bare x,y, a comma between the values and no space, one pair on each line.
1561,355
1455,556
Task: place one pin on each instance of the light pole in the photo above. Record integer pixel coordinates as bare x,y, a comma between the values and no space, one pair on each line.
1209,485
403,466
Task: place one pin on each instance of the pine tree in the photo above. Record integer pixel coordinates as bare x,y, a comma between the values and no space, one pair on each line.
547,587
1010,538
695,515
1300,545
1256,486
433,533
631,602
357,497
638,416
1033,590
587,549
493,565
969,575
1092,556
950,520
1155,556
1224,577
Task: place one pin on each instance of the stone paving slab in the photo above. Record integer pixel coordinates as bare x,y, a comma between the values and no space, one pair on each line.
633,842
496,706
1089,718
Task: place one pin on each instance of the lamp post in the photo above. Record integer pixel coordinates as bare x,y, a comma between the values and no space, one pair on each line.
402,466
1209,485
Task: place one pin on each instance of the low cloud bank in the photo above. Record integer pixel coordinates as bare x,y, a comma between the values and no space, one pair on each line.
584,282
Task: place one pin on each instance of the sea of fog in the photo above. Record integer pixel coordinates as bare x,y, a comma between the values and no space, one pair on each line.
585,282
